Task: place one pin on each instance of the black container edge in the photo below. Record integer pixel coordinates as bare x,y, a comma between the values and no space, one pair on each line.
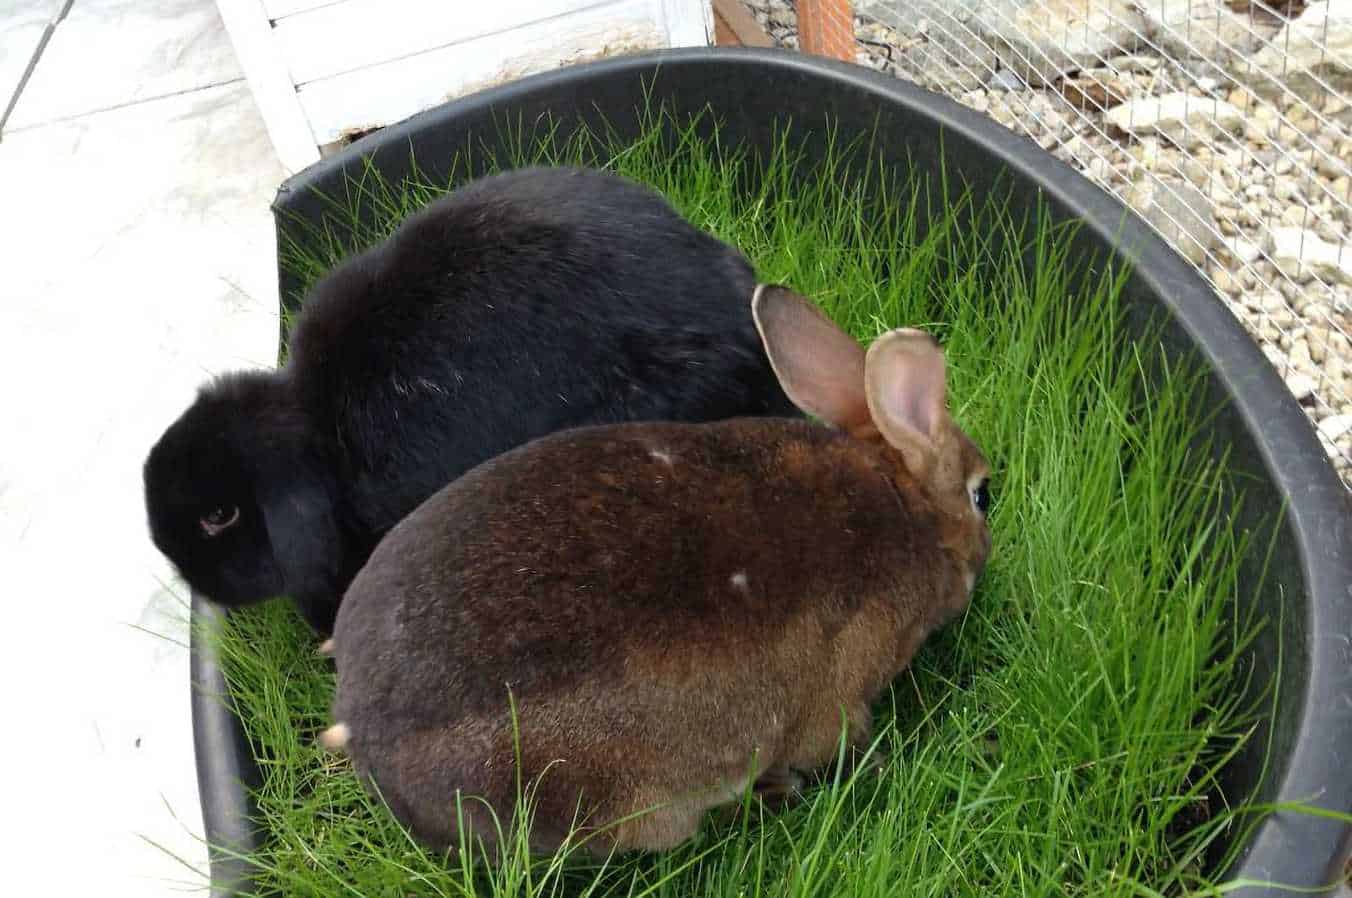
1320,511
227,773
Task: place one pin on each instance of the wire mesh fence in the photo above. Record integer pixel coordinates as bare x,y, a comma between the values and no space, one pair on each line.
1227,124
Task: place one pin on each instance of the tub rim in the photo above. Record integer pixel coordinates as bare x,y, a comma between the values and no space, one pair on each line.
1319,511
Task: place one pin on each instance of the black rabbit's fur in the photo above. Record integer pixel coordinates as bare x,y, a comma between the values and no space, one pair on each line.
519,305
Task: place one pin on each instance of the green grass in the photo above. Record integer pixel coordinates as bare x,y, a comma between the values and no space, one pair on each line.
1059,739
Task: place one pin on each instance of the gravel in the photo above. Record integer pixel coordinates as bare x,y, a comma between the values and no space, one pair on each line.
1245,170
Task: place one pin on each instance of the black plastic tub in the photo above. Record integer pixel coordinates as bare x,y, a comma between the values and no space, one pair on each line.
1305,653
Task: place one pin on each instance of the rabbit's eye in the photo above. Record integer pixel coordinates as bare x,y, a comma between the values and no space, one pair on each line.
981,496
219,519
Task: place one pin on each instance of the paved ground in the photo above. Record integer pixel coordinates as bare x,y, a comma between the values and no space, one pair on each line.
136,259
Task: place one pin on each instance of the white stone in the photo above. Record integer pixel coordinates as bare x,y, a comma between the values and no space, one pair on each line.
1287,189
1295,215
1223,280
1316,45
1139,64
1301,254
952,57
1147,152
1100,169
963,68
1244,251
1335,426
1301,386
1006,80
1329,165
1181,213
1319,343
1330,447
1274,355
1327,344
1300,356
1042,41
1269,301
1203,29
1329,230
1195,171
1184,119
1338,370
977,100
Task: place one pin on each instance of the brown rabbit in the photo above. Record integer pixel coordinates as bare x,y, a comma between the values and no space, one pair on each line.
675,609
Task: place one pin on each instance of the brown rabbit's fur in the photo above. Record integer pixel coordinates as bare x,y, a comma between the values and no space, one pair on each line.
675,609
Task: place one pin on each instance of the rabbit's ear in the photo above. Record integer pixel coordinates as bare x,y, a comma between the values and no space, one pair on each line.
298,510
820,367
905,383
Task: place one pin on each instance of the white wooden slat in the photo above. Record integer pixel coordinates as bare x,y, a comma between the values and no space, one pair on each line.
690,23
288,127
355,34
381,95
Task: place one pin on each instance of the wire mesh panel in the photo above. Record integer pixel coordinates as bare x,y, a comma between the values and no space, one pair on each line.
1227,124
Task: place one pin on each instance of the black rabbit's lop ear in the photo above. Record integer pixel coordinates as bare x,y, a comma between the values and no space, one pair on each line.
298,510
820,367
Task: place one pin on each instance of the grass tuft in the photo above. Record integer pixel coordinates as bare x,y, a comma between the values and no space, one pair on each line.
1062,738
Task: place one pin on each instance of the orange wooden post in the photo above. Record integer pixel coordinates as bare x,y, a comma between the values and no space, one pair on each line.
826,28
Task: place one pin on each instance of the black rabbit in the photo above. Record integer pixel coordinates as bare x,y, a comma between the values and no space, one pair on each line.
520,304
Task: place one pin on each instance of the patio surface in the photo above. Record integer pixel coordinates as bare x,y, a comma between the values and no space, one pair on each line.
135,178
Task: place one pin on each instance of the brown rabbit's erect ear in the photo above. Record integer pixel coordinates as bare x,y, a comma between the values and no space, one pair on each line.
906,388
820,367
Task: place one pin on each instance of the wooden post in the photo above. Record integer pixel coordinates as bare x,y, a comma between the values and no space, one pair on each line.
735,27
826,28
